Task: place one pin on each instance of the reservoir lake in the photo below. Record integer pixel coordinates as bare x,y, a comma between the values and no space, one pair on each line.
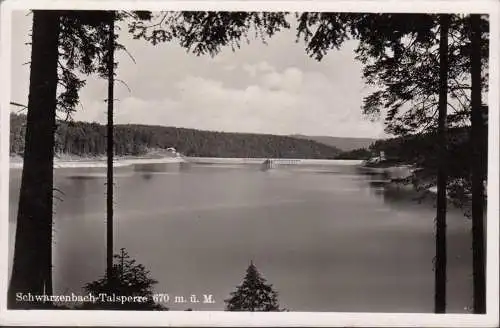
326,236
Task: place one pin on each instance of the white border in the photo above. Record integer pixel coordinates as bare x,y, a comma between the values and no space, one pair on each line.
5,55
493,212
183,318
452,6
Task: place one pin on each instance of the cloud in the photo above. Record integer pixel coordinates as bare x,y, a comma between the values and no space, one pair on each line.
229,67
218,107
133,110
284,102
290,80
264,66
272,88
261,67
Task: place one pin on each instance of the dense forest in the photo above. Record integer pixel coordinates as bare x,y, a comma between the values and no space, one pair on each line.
89,139
356,154
421,151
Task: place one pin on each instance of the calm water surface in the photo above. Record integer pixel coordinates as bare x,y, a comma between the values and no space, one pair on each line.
325,237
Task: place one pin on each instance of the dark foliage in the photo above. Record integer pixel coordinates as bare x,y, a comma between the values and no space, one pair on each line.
421,151
84,50
32,259
130,279
430,72
254,294
207,32
65,46
400,54
89,139
361,153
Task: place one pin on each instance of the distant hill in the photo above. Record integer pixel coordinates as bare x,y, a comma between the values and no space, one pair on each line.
89,139
344,144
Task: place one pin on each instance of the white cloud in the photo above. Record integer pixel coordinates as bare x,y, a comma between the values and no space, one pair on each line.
272,80
284,102
290,79
264,66
261,67
229,67
132,110
274,88
250,69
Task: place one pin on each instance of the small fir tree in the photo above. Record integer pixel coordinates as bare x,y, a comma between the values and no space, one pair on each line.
254,294
129,279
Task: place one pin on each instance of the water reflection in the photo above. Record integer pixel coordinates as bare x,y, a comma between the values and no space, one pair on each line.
78,194
146,176
327,238
399,195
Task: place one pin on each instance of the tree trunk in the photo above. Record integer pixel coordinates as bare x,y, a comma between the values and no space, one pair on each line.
478,172
440,264
32,264
109,227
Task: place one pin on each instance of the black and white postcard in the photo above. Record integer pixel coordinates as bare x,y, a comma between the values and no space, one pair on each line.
240,163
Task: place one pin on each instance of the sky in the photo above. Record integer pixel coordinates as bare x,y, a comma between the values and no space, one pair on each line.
261,88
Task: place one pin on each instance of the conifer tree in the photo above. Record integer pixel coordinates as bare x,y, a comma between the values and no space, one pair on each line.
65,43
254,294
31,268
400,53
130,279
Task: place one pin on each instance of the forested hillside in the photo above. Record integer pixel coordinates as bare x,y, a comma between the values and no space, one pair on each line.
422,151
89,139
343,143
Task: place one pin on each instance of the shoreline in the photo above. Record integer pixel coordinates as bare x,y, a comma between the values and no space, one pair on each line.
65,161
97,162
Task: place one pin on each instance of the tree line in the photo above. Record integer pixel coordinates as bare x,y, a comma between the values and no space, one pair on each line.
89,139
421,152
430,73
